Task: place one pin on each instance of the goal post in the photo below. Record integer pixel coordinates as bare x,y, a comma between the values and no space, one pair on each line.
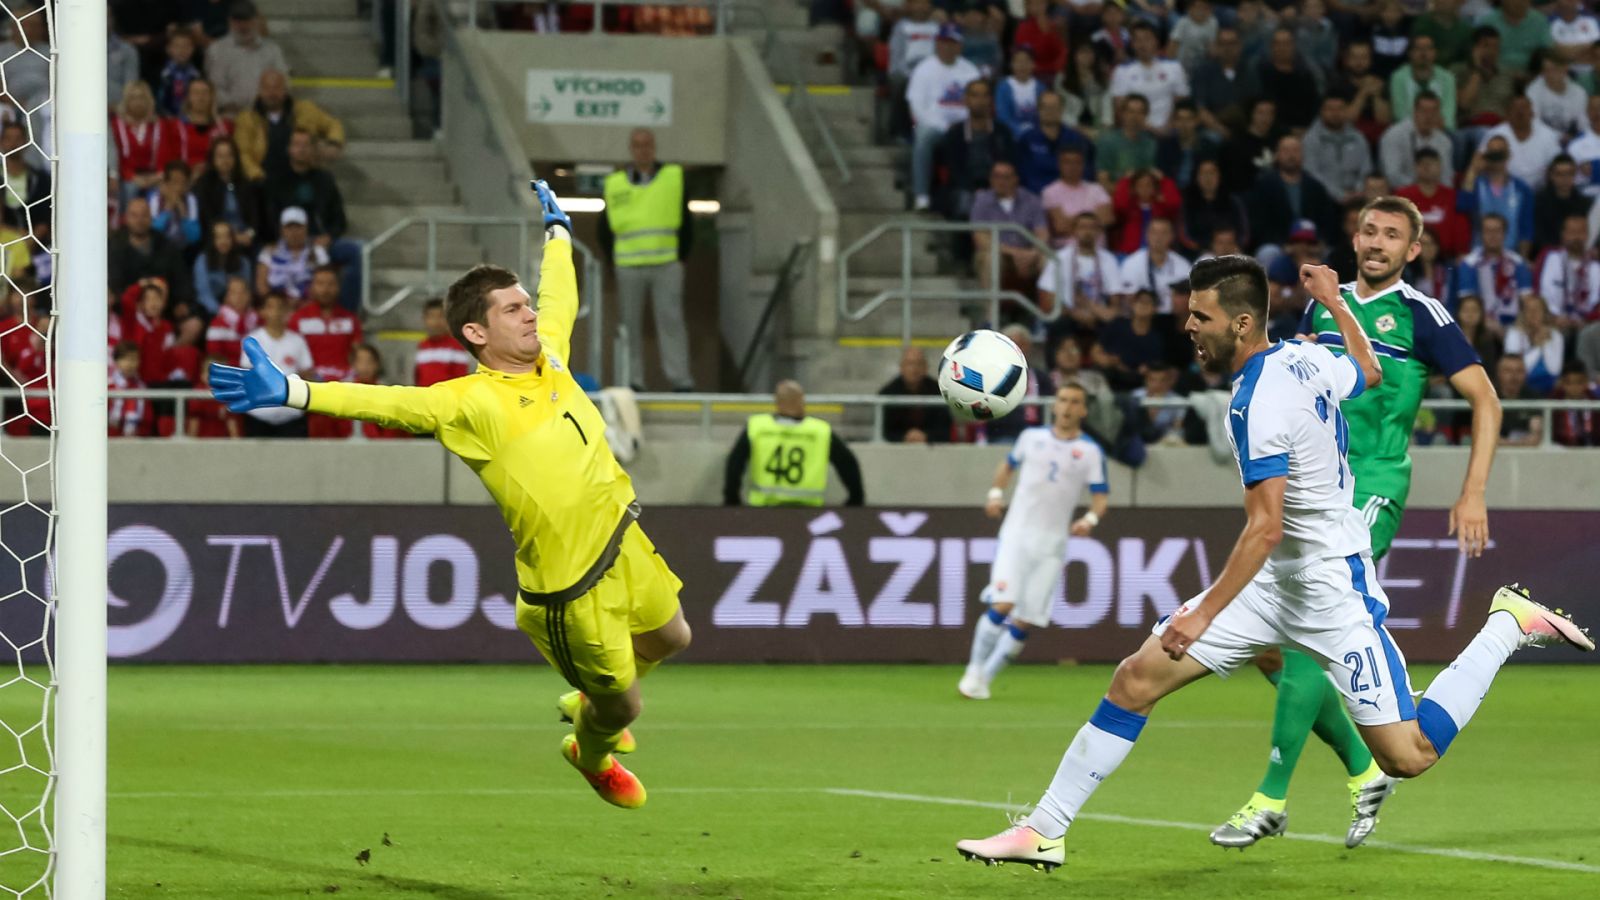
79,470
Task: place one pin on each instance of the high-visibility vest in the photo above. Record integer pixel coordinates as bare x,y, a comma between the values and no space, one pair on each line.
788,460
645,217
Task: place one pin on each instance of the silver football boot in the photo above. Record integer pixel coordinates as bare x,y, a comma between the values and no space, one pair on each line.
1365,799
1248,825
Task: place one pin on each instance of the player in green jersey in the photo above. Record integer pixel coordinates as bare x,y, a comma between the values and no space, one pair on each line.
1414,336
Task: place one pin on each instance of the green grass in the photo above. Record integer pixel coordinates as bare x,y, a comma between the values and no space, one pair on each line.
246,782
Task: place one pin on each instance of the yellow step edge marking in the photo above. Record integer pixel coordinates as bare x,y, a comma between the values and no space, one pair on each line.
817,90
859,342
399,335
685,406
372,83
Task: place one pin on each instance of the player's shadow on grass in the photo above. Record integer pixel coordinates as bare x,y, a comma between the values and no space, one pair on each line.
322,876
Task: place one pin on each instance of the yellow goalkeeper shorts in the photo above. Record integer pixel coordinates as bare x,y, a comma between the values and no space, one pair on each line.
590,640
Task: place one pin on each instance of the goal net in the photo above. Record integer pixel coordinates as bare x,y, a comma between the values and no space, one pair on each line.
27,448
53,332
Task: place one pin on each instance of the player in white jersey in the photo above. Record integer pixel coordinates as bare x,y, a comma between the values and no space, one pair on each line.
1300,573
1056,464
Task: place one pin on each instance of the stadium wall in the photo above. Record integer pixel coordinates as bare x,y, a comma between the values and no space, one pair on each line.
690,472
692,135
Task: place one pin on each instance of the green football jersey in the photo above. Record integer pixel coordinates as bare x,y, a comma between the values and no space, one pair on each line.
1413,335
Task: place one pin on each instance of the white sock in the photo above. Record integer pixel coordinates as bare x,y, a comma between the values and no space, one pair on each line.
1454,695
1007,648
984,637
1101,745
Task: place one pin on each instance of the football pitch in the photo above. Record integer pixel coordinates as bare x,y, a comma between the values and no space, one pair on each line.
798,781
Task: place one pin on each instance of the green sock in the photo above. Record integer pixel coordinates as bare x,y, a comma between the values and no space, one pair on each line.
1300,689
1333,725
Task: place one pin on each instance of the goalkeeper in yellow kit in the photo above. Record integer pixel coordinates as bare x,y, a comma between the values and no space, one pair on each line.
594,596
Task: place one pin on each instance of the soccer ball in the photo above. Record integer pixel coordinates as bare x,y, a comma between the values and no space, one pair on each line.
983,375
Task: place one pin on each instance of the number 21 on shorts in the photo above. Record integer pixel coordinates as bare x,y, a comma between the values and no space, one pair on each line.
1355,662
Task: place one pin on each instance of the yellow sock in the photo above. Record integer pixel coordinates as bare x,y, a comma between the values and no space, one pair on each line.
594,744
1262,801
1372,772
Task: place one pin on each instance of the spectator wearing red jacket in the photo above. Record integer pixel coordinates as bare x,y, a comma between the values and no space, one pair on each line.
13,334
198,124
145,141
205,417
126,416
1040,33
235,318
1139,197
148,328
1437,203
439,357
187,350
1575,427
25,362
331,331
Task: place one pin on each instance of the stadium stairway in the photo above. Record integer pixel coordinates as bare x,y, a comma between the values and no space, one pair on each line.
863,355
387,173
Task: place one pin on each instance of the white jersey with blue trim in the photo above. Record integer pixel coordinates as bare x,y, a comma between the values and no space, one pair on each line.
1284,420
1053,473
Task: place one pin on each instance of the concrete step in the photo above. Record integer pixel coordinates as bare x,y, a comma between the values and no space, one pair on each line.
928,317
847,132
786,67
834,98
368,188
364,150
307,9
839,100
376,126
377,181
352,101
276,10
869,190
410,248
286,30
322,56
371,218
877,155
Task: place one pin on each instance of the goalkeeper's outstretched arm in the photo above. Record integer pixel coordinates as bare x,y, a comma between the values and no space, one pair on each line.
415,409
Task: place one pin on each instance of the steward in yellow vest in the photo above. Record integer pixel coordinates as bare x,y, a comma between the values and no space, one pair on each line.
788,455
647,231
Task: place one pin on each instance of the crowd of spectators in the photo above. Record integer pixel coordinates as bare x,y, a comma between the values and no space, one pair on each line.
224,219
1135,138
549,18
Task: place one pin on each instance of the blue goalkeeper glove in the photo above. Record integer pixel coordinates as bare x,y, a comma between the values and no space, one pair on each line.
553,214
263,385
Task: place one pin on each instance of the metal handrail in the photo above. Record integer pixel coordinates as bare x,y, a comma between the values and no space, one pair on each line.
788,276
906,293
705,405
591,304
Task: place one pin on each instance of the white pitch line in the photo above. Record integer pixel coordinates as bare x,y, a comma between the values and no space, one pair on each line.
1450,852
694,726
421,792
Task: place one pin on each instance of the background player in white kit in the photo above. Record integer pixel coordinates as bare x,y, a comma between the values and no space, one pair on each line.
1300,573
1057,463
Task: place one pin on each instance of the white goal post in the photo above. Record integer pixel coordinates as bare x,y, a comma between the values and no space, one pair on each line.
79,94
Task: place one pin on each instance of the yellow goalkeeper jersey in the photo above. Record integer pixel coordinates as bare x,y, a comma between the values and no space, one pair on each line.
535,440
